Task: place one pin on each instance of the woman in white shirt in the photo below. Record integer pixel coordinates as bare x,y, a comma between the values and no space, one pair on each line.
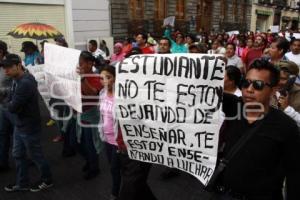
232,80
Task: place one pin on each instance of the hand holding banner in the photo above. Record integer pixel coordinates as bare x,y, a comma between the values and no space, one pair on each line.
61,76
169,108
169,21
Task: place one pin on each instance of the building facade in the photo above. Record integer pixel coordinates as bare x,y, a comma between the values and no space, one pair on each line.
91,20
131,16
282,13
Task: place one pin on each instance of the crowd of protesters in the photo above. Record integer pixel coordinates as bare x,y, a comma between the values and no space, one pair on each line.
261,68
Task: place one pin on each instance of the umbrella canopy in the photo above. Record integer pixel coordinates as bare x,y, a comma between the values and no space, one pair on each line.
36,31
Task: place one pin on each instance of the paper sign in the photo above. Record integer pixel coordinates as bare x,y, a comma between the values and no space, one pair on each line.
296,35
230,33
274,29
61,76
168,108
169,21
39,74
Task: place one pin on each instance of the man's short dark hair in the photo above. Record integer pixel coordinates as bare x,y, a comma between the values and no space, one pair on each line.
233,45
282,44
144,36
165,38
234,74
263,64
294,40
3,47
93,43
192,36
133,51
87,56
10,60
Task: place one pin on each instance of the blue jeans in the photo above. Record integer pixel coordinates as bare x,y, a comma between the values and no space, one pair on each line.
6,131
29,143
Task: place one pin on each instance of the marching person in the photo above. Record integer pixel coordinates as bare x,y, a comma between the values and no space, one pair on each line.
87,135
288,73
271,152
6,121
108,127
24,106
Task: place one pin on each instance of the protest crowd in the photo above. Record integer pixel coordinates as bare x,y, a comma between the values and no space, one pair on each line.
258,152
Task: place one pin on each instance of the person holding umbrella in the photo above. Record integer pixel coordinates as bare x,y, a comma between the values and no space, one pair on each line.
31,52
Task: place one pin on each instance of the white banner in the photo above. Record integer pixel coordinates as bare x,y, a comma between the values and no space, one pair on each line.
296,35
169,21
230,33
168,106
274,29
39,74
61,76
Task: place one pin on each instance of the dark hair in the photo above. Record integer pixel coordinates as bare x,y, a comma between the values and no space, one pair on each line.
202,47
87,56
194,46
62,40
144,36
193,38
133,51
180,33
283,44
103,42
93,43
3,47
110,69
129,40
233,45
217,41
165,38
295,40
263,64
29,45
234,74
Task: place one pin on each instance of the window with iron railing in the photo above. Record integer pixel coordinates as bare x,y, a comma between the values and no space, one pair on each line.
160,9
223,10
136,9
235,10
180,9
265,1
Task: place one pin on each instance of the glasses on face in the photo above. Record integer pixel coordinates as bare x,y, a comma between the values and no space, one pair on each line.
257,84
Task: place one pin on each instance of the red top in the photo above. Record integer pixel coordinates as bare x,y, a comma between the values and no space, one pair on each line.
93,81
120,141
148,50
251,55
126,49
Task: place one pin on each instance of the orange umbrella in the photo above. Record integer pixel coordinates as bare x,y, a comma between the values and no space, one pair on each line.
36,31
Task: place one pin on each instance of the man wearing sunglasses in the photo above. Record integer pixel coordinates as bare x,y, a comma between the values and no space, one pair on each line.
272,151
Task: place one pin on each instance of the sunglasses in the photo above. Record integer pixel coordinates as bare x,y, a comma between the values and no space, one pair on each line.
257,84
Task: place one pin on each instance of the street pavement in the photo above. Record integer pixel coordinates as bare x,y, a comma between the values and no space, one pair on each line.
70,185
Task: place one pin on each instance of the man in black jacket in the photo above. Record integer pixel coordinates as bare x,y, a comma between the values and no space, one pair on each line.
24,106
6,122
258,169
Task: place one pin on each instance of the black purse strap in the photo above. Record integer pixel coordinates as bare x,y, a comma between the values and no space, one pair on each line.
241,142
232,152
